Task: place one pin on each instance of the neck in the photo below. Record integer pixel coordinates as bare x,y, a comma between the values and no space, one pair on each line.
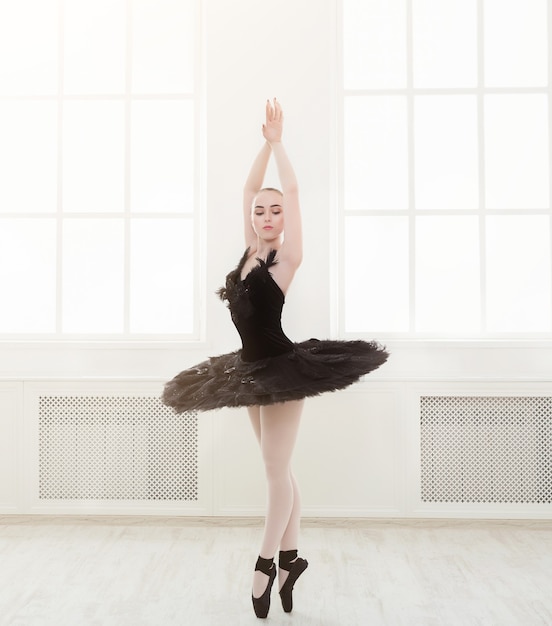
264,247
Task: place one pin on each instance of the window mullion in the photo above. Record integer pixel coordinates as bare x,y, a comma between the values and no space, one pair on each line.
59,216
411,163
481,157
549,87
128,121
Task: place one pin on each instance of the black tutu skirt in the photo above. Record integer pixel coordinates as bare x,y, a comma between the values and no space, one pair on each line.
312,367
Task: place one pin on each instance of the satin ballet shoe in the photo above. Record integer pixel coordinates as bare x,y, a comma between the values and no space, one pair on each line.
261,605
289,562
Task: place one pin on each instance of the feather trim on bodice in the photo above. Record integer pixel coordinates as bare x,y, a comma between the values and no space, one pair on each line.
236,290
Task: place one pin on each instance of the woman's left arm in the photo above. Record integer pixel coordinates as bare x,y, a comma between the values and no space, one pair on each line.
292,247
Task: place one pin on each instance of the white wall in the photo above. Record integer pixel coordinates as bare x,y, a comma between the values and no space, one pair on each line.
352,452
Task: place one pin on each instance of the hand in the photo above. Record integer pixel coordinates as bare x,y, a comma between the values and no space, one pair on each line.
273,127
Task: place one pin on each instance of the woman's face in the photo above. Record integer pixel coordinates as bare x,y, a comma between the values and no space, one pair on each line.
267,215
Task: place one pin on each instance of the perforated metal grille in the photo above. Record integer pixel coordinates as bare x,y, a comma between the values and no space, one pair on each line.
113,447
486,449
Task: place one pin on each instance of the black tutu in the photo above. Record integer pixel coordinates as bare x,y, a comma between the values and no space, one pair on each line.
269,368
311,368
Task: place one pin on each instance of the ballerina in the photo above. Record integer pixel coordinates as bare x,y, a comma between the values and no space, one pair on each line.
272,375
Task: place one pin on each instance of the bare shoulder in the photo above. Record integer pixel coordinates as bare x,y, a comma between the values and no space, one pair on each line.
291,254
284,269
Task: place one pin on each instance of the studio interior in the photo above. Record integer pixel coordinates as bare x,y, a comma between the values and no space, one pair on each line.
420,135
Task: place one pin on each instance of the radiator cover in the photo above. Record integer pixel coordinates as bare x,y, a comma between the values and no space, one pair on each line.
116,448
486,449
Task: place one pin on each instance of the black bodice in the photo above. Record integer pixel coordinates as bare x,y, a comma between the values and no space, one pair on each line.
256,304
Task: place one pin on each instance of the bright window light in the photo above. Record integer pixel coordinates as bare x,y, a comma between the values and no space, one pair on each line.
518,273
375,153
93,276
447,274
93,156
163,46
444,43
98,168
162,274
516,151
374,38
28,275
94,46
445,174
376,274
162,174
28,47
28,156
446,154
516,46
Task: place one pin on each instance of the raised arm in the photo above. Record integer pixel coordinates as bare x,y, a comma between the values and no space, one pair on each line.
251,188
291,250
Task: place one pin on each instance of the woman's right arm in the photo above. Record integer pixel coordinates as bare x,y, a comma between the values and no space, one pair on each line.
251,188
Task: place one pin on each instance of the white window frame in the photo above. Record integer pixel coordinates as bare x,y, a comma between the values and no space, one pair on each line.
541,339
197,216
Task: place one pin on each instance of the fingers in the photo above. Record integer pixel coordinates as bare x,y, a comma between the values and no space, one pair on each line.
274,111
278,113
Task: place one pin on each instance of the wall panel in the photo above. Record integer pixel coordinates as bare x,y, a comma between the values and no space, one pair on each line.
10,448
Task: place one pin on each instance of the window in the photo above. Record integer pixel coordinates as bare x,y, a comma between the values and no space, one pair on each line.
98,155
445,168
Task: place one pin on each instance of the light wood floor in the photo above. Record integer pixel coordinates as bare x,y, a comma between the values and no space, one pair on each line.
101,571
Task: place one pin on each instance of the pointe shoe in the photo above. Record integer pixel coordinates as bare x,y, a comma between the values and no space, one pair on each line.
261,605
289,562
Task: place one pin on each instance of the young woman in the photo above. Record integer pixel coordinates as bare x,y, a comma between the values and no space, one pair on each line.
270,374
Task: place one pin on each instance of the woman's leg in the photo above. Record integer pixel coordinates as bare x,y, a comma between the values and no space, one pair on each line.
290,538
276,427
255,417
